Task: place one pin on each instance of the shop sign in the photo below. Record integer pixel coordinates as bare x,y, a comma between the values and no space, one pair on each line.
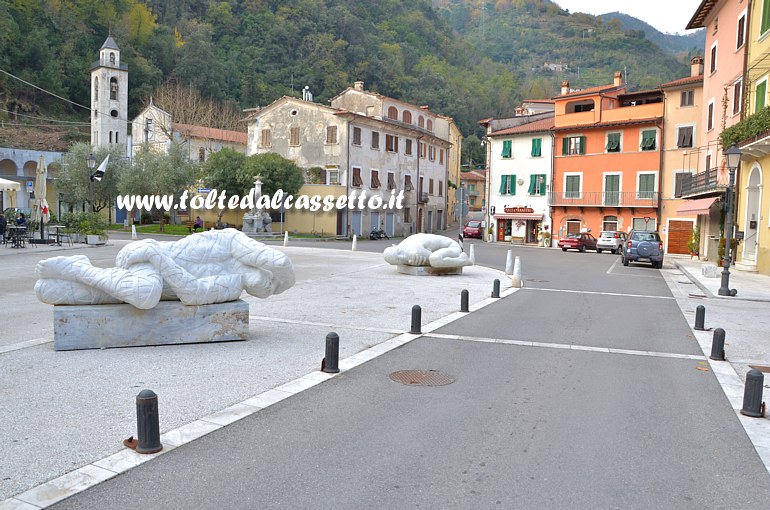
517,210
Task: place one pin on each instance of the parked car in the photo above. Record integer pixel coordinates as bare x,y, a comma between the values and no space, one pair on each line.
643,246
581,241
473,229
612,240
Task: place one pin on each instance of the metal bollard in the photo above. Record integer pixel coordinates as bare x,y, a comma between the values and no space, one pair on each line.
718,345
752,394
416,320
700,317
147,422
331,360
464,301
496,288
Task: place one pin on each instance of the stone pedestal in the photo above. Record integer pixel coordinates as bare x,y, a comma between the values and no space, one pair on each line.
171,322
428,270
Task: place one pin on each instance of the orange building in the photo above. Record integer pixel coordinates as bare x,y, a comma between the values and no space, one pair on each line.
607,159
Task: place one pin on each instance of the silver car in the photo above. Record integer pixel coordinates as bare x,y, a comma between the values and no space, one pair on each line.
611,240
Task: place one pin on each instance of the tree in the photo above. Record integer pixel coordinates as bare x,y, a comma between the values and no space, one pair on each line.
74,181
187,106
275,171
223,172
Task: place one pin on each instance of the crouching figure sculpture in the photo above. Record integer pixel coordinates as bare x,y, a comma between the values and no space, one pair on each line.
427,254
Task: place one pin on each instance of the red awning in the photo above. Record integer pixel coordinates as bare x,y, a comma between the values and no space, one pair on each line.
520,216
696,207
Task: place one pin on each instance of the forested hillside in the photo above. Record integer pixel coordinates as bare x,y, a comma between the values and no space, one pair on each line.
251,52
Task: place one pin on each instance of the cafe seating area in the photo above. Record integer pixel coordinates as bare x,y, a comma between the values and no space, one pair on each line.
20,236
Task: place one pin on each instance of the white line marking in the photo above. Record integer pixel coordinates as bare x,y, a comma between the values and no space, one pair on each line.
572,347
24,345
324,324
598,293
609,271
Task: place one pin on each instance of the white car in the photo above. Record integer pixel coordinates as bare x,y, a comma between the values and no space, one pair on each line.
611,240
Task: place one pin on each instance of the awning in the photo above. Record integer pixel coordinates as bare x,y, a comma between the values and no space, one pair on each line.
696,207
6,185
519,216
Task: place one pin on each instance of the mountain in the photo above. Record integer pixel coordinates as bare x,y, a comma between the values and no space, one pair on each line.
692,43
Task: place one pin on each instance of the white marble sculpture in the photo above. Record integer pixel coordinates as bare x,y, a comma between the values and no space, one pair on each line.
427,250
212,267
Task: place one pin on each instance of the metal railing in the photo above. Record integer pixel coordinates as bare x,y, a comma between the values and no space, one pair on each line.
703,182
604,198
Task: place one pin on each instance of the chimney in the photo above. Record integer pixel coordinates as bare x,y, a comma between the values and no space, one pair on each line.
696,66
565,87
617,79
358,85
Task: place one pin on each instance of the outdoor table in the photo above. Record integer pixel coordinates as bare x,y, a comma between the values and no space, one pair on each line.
18,236
57,233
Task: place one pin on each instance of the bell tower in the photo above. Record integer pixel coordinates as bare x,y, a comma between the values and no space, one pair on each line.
109,98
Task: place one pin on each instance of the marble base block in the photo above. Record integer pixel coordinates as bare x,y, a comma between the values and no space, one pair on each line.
171,322
428,270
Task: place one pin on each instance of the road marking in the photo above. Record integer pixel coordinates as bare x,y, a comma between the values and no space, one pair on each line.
598,293
609,271
324,324
24,345
572,347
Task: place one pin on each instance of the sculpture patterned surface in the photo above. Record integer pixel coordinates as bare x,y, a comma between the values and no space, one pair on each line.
427,250
211,267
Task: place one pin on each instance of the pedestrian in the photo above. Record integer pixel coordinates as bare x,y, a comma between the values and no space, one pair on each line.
198,223
21,220
3,227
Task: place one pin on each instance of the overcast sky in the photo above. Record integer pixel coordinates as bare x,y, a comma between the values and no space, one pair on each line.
666,15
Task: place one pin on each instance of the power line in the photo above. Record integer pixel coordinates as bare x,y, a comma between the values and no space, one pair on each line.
43,90
51,125
43,118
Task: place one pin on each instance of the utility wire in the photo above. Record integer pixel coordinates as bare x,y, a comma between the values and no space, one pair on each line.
43,118
51,125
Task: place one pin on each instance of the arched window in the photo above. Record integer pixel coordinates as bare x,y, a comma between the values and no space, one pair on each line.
430,125
393,113
406,117
96,88
202,155
420,122
114,88
112,57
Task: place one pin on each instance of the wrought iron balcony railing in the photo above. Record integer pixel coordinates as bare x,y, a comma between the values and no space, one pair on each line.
604,198
705,182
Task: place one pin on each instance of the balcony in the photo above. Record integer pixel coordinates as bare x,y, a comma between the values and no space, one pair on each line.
604,199
422,198
705,183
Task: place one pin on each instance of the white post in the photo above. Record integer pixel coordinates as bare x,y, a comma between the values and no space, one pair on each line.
509,263
286,238
133,232
516,281
472,255
355,243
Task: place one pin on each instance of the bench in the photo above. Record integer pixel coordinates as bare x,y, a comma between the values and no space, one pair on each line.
191,226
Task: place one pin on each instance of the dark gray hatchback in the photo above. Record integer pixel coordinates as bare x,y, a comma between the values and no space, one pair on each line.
643,246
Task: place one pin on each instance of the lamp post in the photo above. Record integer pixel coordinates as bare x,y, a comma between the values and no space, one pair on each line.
91,161
733,156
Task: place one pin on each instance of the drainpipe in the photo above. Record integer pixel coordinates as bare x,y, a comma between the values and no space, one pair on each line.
418,187
347,180
550,208
660,168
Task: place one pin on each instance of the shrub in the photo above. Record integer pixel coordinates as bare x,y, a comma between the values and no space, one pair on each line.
145,218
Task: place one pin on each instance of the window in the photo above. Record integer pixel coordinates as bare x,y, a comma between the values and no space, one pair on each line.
572,145
201,154
610,223
430,186
537,148
708,162
331,134
432,153
440,188
375,181
741,32
294,136
684,136
96,88
571,186
408,149
406,117
393,113
649,137
441,156
713,59
536,184
407,215
679,179
710,117
391,181
391,143
264,139
422,150
112,57
430,125
687,98
357,180
737,97
357,136
646,187
113,88
613,142
507,149
332,175
759,101
765,22
408,183
508,185
420,122
375,140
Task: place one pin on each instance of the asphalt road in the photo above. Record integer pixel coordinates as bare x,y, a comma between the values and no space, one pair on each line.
542,414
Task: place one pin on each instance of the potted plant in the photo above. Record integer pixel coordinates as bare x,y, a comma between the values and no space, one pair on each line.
721,251
95,228
694,244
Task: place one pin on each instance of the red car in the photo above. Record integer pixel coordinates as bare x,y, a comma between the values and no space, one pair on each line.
472,229
581,242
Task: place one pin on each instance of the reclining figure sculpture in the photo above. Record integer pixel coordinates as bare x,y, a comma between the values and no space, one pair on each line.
427,250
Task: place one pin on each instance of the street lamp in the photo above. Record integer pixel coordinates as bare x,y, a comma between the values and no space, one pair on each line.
733,156
91,161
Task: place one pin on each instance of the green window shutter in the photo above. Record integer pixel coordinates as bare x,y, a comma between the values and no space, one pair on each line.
582,145
565,146
648,140
542,184
532,184
613,142
765,25
759,101
512,184
537,144
507,149
573,186
503,184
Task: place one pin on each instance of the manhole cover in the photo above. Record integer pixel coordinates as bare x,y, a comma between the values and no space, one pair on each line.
422,378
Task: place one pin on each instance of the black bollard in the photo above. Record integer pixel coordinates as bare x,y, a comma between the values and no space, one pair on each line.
331,361
496,288
416,320
718,345
147,423
700,317
464,301
752,394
